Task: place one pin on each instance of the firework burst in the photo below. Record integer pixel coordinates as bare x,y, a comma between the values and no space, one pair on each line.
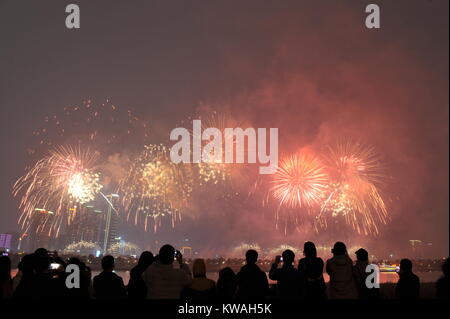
58,182
354,189
214,170
297,185
299,181
155,187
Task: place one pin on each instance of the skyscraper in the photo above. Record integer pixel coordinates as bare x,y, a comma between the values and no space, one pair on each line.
39,231
86,225
110,235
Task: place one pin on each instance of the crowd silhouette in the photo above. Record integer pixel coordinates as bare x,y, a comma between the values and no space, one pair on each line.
42,275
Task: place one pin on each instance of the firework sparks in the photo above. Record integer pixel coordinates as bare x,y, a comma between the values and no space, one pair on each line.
213,169
57,182
124,248
241,249
101,123
155,187
353,192
83,247
83,186
299,181
279,250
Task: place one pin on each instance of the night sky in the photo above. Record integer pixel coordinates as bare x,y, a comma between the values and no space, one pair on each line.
310,68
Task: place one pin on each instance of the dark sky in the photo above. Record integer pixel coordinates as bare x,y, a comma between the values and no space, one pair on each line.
310,68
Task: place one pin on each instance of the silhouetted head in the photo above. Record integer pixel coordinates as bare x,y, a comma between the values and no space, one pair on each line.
226,274
446,267
26,265
226,283
251,256
339,248
74,260
405,266
199,268
309,249
108,263
5,268
41,264
288,257
166,254
41,252
146,259
362,255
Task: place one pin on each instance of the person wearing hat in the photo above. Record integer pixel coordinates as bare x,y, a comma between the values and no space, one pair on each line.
360,274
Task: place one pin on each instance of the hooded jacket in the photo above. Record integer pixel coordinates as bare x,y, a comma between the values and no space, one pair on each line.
165,281
342,284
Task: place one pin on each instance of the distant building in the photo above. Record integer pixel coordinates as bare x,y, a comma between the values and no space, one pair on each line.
110,234
38,232
417,248
5,241
86,225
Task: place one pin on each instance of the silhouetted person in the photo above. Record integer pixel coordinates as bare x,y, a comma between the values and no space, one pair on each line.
137,289
41,252
408,286
340,270
162,279
107,284
311,269
42,285
85,281
252,282
201,288
23,280
6,287
442,285
59,275
360,275
290,284
18,276
226,284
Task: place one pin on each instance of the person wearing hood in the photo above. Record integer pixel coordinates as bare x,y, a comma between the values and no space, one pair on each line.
340,269
201,287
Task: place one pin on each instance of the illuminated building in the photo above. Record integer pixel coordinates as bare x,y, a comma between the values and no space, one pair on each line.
5,241
416,248
110,235
86,225
38,232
